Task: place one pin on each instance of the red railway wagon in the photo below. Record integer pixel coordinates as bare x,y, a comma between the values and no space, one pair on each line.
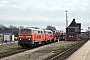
59,35
32,37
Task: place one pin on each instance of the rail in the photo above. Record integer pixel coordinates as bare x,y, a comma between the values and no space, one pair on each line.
63,55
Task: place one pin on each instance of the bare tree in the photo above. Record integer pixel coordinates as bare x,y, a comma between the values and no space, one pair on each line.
52,28
2,26
21,27
13,27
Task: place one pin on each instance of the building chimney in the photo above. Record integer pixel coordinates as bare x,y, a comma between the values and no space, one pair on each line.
73,19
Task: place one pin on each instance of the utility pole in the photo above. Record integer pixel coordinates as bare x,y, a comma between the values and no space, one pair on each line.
88,32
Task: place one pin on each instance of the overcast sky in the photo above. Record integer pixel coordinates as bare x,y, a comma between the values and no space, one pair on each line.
41,13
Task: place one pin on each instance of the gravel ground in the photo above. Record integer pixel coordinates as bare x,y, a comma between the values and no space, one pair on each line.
42,52
9,46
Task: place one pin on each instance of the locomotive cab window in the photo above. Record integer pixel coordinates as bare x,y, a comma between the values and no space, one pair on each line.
35,31
22,31
27,31
39,32
42,32
50,33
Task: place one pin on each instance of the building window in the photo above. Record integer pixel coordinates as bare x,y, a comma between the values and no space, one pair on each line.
76,30
70,36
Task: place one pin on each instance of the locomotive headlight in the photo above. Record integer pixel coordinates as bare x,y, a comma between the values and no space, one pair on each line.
29,39
20,39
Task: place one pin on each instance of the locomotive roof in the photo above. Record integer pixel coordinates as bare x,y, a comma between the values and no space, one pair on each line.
34,29
48,30
38,29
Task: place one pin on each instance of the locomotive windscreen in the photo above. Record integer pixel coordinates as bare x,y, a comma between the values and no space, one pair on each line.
21,31
26,31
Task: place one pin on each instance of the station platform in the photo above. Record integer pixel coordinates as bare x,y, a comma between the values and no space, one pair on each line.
81,54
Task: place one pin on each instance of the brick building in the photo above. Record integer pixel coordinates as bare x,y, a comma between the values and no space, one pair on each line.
73,31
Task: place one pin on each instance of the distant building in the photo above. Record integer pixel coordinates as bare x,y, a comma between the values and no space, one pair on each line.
79,24
6,34
5,31
73,31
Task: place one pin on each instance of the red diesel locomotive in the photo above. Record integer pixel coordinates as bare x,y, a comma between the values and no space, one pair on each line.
31,37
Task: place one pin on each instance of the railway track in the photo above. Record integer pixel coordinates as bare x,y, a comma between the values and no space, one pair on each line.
63,55
18,50
8,53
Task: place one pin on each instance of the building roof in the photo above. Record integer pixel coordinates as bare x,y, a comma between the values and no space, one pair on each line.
5,31
73,24
79,24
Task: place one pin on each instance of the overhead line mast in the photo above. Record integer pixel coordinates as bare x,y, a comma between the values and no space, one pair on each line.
66,19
